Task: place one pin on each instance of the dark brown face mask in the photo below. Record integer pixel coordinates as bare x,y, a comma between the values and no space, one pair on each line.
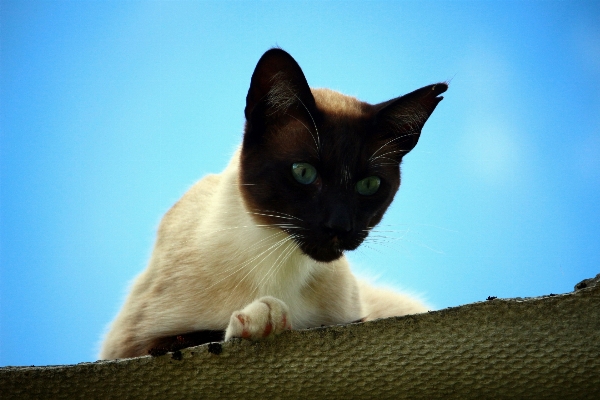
323,173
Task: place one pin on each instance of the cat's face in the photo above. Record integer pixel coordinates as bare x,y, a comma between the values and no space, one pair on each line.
322,166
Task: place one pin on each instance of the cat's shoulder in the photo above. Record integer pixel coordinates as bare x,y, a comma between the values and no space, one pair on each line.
205,187
193,205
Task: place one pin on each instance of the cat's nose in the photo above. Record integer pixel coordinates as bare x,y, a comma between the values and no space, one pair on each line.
339,222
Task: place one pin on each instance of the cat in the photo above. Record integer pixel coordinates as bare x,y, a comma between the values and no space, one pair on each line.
259,248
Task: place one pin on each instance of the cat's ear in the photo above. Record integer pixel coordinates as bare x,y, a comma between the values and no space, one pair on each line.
399,121
278,86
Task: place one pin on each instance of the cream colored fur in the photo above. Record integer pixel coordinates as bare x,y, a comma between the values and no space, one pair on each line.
213,266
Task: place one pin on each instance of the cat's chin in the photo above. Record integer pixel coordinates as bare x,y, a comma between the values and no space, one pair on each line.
322,254
328,250
325,257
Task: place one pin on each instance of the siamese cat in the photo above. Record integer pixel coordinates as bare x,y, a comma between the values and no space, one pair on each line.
259,248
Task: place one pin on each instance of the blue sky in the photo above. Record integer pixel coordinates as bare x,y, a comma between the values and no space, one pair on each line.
110,110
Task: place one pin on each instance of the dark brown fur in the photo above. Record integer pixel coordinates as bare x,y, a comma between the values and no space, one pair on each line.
286,124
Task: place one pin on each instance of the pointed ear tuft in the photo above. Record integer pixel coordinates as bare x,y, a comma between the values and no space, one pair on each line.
401,119
277,84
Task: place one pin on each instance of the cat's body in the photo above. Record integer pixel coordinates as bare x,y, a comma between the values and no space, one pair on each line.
245,239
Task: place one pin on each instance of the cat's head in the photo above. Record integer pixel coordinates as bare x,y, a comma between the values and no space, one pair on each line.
322,166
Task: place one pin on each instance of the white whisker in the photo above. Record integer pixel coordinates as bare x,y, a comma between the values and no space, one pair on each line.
314,124
281,259
274,248
239,267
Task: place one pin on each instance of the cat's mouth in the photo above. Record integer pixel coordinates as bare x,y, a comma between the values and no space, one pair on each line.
327,250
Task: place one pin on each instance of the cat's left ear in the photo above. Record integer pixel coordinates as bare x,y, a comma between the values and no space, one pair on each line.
400,120
278,86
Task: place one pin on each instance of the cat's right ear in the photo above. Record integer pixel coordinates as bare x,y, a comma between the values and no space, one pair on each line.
401,120
278,89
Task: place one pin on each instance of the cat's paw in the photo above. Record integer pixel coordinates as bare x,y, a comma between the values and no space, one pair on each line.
262,318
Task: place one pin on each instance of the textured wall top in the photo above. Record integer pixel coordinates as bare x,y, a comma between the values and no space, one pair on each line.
545,347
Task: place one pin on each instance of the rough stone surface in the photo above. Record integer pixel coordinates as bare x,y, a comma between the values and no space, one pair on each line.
588,282
539,348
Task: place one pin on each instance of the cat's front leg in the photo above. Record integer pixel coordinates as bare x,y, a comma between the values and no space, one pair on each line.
260,319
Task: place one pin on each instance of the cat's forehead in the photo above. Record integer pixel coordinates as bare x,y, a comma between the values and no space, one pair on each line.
339,105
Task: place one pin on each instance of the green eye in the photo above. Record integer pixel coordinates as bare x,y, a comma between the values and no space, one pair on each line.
368,186
304,173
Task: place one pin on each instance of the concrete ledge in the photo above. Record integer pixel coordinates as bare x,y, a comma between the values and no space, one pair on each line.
538,348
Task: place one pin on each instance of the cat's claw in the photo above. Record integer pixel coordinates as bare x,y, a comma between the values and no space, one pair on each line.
262,318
